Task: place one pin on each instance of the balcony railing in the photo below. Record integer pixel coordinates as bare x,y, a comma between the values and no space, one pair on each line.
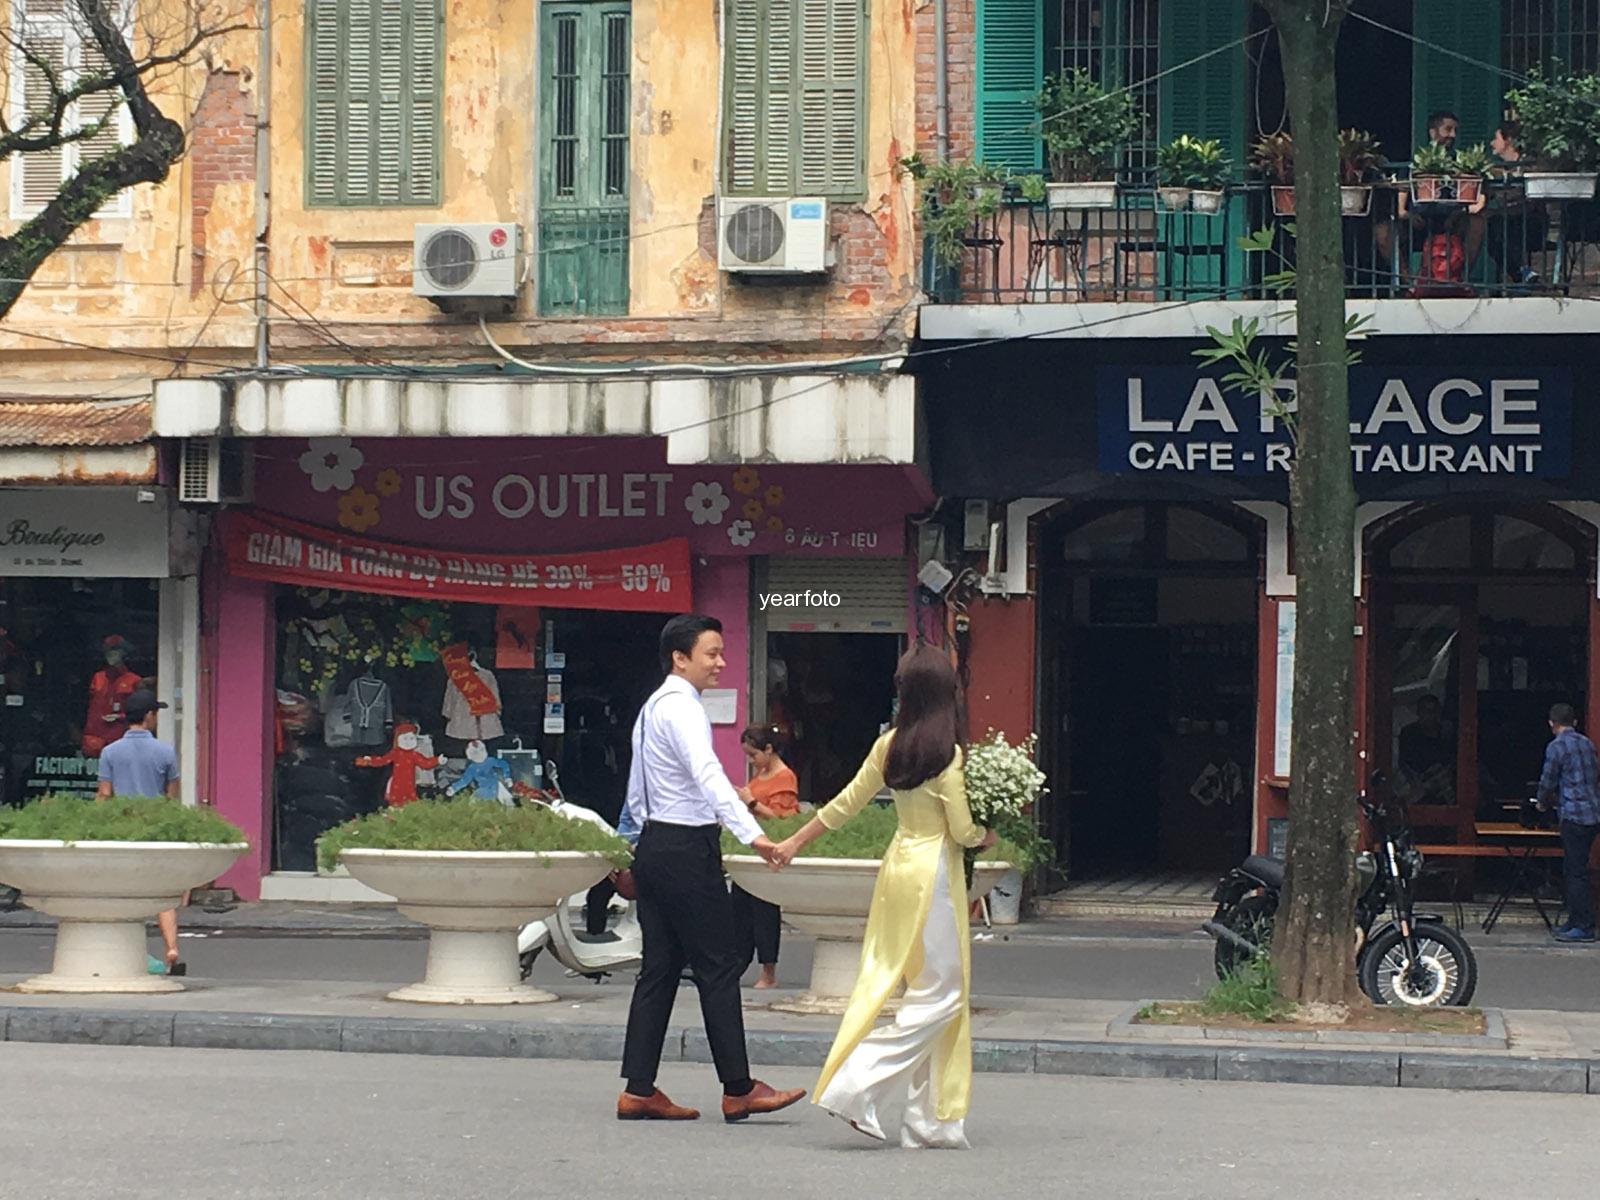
1143,251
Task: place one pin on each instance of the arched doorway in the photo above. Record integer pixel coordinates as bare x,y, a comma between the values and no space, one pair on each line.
1148,653
1481,621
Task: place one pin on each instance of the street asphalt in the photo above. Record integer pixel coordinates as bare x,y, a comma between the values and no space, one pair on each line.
141,1124
1518,968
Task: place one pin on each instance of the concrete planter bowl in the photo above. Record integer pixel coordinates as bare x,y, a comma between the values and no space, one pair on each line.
101,894
829,898
473,903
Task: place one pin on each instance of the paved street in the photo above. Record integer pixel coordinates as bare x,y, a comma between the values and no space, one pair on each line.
135,1123
1519,968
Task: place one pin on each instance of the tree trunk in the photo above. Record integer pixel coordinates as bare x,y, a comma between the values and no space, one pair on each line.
1314,947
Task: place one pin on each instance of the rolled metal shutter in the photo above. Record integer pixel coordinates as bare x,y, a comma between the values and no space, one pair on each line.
873,594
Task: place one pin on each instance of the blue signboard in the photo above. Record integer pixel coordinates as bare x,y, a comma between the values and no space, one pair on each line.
1471,421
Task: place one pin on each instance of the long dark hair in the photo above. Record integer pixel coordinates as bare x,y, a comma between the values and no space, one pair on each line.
764,737
927,727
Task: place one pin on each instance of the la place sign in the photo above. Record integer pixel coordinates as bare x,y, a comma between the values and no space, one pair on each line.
1173,420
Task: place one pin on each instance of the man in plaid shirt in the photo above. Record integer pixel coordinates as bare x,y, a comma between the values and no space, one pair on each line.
1571,783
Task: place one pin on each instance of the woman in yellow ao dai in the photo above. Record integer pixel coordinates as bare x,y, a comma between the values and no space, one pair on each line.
917,928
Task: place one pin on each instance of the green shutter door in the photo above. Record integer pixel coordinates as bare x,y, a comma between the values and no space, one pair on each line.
1010,70
1205,99
584,54
1471,28
832,153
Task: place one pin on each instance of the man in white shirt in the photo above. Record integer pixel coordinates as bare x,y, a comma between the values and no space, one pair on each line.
679,798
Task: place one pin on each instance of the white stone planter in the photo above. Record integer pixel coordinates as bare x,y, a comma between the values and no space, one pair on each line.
101,894
829,898
1559,185
473,903
1101,194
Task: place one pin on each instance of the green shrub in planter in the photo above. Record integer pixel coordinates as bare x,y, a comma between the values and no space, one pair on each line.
1560,116
469,824
73,818
867,835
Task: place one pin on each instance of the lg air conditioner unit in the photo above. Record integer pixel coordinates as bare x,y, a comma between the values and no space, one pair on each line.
772,237
466,262
214,471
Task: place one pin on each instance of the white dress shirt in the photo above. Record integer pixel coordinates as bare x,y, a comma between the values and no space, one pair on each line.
675,777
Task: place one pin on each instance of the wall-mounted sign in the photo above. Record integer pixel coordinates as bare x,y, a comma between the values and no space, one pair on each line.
1477,422
1283,706
107,533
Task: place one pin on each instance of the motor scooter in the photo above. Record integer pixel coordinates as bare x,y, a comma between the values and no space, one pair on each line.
565,932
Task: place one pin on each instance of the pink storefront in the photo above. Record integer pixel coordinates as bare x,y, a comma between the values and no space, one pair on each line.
510,591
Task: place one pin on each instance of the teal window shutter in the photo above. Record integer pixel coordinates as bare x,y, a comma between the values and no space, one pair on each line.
585,68
794,108
1471,28
1010,70
374,77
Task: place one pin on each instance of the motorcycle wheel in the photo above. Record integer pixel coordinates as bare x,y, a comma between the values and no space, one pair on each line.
1252,920
1446,977
527,958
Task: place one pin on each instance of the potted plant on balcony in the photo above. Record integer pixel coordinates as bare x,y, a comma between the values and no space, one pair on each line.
1560,118
1083,124
1209,167
957,197
1471,168
1433,171
1273,156
474,872
1172,174
102,868
1360,156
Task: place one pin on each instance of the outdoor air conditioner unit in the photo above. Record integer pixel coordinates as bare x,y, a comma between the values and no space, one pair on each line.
772,237
466,261
213,471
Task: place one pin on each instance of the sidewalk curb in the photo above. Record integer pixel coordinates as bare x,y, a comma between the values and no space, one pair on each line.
603,1043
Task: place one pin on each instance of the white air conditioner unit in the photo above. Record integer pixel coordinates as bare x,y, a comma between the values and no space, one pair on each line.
214,471
466,261
772,237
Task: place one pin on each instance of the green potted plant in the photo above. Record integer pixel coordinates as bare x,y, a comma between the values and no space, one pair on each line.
474,872
1273,156
101,868
1209,167
1560,117
1360,156
956,196
1472,167
1083,124
1172,173
1432,171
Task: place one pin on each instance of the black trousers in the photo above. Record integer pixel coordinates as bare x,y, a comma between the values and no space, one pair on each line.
758,926
686,918
1576,841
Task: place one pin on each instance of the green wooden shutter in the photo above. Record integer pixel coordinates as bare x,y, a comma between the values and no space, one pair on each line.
832,108
1197,255
374,72
742,130
1010,70
585,54
1442,81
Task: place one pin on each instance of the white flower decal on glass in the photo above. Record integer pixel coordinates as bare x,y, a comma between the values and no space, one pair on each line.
706,503
332,463
741,533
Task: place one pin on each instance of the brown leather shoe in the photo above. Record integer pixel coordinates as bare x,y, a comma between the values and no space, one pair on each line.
654,1107
759,1099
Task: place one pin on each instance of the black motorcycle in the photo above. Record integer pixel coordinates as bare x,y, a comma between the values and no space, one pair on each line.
1402,956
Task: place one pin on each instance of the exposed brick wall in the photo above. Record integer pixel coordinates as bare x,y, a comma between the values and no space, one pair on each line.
222,149
961,41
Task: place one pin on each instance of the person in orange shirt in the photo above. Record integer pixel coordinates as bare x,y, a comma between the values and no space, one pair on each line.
773,791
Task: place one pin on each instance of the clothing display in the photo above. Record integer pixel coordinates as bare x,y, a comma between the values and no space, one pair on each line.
917,932
371,711
487,777
471,707
406,758
110,686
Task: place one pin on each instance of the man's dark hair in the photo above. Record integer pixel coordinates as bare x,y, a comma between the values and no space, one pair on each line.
682,632
1439,116
1564,715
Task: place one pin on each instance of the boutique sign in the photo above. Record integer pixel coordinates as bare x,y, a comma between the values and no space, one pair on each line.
1475,422
84,532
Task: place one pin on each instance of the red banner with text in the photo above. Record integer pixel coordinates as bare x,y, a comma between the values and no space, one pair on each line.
649,578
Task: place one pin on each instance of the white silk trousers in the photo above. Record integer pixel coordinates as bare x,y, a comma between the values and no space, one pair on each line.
895,1062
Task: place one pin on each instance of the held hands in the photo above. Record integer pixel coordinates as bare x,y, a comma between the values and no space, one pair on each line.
777,854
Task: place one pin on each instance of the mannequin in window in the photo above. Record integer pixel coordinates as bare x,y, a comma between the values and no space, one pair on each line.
110,686
471,708
405,759
487,777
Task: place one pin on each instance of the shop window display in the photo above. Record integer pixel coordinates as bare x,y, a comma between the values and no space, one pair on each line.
384,701
71,651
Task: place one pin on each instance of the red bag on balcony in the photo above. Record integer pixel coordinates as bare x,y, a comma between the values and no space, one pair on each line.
1443,270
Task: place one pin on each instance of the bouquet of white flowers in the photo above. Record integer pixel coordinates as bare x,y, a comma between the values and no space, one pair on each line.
1003,783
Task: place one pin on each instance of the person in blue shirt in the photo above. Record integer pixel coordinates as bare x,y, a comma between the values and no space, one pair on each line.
141,764
1570,784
